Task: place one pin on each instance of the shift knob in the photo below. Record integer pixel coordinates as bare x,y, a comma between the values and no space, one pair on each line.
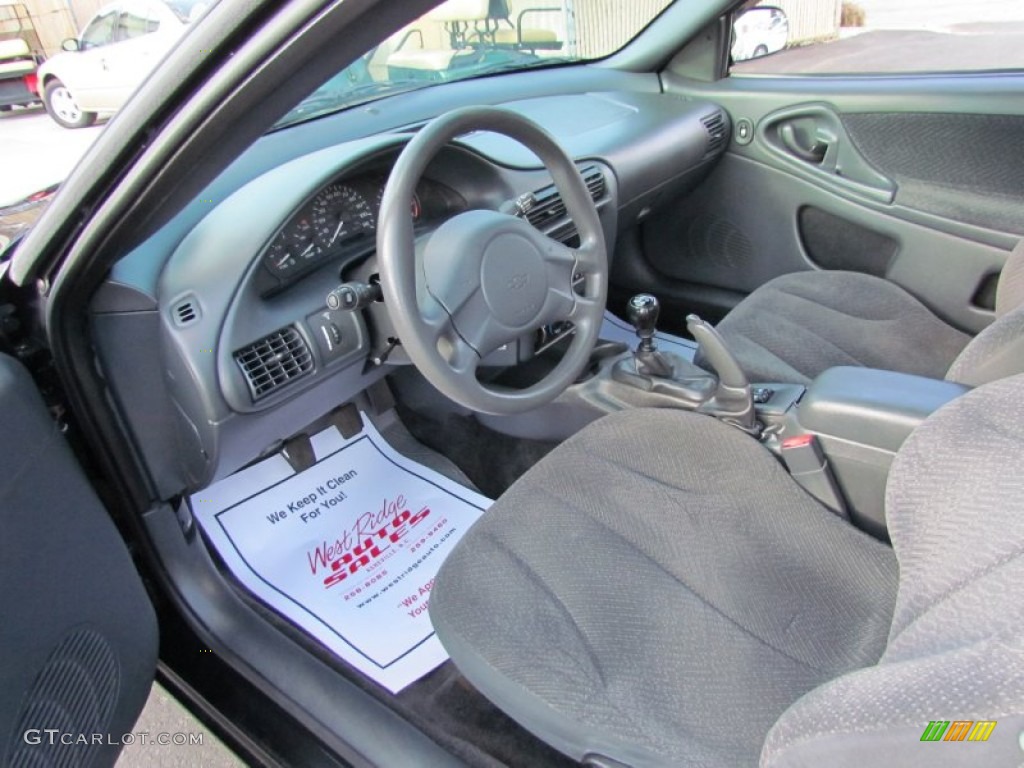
642,311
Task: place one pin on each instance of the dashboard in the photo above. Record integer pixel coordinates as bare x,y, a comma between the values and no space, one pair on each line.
244,350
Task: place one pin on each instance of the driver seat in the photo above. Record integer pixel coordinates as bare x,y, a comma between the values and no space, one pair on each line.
659,592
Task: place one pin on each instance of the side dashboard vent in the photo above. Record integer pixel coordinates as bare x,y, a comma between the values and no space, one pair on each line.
594,180
715,126
546,205
274,361
185,313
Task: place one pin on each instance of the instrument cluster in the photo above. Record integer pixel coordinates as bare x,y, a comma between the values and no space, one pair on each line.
341,221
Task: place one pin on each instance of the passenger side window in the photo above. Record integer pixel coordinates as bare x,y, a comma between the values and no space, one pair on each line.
136,21
100,30
856,37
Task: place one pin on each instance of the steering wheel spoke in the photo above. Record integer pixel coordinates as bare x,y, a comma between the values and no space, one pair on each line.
460,355
571,272
584,308
591,259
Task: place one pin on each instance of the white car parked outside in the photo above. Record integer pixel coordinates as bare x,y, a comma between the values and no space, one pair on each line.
116,50
758,32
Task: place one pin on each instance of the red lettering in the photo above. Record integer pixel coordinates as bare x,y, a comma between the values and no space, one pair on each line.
419,516
398,533
358,558
335,578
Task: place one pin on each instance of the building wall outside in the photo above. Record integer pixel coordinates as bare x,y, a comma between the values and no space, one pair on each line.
810,20
50,22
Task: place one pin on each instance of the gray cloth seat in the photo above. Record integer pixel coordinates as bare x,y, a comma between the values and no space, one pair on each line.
797,325
658,591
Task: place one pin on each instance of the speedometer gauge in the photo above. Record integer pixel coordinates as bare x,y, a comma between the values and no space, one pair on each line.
339,214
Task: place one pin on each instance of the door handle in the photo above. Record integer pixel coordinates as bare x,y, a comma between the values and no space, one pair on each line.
815,154
811,142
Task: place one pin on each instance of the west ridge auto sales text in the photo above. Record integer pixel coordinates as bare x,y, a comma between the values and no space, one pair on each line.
316,502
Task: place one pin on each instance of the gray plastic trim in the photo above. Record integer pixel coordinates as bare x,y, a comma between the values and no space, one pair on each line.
871,406
862,416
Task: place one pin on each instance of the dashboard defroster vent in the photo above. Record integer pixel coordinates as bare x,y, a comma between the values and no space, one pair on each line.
186,313
714,124
274,361
546,205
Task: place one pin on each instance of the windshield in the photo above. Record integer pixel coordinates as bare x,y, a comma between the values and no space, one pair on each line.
460,39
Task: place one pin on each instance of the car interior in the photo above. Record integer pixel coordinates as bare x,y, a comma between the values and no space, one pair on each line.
777,518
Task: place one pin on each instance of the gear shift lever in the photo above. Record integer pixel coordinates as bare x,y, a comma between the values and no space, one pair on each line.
642,311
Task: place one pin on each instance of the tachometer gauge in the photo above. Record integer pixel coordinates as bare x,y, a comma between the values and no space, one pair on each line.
339,214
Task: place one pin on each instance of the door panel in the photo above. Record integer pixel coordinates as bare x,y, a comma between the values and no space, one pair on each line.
964,167
912,178
88,78
78,638
750,222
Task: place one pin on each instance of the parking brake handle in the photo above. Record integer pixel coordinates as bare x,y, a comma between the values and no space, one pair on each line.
732,401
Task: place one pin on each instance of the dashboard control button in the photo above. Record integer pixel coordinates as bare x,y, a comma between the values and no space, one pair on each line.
332,333
353,296
744,131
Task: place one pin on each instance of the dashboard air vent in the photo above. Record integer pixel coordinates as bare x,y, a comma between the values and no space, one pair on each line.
186,313
714,124
546,205
274,361
594,180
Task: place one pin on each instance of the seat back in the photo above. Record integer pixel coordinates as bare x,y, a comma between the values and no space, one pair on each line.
954,662
998,351
1010,290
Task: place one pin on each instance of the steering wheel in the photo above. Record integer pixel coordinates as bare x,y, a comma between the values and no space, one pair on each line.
483,278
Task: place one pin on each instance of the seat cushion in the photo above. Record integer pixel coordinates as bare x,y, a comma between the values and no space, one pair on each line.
795,326
658,590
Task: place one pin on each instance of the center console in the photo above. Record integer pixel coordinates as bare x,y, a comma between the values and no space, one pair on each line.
858,418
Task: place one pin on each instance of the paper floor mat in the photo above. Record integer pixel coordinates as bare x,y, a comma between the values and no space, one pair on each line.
347,549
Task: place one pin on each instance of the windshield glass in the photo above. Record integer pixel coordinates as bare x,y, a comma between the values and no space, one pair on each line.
460,39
